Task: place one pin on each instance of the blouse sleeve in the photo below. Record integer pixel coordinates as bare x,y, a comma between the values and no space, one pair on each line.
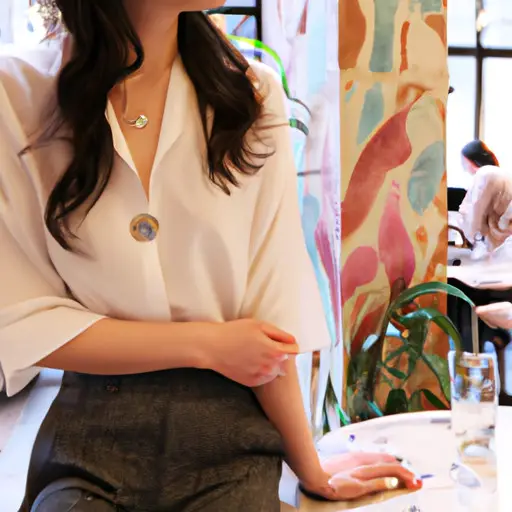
282,288
37,316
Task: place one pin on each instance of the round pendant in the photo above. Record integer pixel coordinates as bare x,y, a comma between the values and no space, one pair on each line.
144,228
141,122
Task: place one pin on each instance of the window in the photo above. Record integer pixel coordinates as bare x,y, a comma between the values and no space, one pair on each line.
20,23
480,64
242,18
460,123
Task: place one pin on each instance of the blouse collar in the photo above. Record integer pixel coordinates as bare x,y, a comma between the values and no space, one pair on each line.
177,104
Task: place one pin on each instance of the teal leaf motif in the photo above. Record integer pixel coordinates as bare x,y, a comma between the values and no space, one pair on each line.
372,114
426,177
431,6
381,60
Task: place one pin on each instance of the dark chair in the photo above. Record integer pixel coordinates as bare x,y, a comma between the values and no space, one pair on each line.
455,198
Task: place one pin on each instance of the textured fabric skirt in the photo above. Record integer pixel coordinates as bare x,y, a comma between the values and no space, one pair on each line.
178,440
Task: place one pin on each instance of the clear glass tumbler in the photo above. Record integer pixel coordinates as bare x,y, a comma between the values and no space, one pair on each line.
475,386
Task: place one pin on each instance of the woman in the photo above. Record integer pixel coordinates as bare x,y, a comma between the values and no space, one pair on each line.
152,249
475,155
486,211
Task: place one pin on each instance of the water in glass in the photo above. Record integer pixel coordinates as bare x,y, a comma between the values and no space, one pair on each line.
474,410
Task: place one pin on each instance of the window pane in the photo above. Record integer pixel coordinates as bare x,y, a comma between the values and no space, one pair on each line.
5,22
461,23
240,3
497,111
21,25
244,26
498,24
238,25
460,116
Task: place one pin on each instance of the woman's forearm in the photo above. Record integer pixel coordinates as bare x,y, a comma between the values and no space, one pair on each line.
282,402
117,347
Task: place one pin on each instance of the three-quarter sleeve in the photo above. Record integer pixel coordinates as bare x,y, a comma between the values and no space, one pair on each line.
36,314
282,288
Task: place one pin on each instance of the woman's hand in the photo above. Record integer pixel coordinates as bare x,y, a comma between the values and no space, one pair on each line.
496,315
354,475
249,352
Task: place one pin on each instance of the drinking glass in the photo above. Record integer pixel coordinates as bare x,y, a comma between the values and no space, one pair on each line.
474,385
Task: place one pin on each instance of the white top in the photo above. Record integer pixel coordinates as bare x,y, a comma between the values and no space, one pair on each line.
215,257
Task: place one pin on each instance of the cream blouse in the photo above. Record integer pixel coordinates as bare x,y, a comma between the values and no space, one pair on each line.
212,257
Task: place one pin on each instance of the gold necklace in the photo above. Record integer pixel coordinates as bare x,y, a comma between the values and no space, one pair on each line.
141,121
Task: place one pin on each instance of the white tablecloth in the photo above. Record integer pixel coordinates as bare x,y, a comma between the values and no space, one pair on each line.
426,441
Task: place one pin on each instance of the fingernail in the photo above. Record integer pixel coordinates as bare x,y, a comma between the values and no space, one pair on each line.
417,483
284,358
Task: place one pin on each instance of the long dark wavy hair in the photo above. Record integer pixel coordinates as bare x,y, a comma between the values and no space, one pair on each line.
103,40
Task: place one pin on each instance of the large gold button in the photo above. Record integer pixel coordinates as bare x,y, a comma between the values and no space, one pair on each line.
144,228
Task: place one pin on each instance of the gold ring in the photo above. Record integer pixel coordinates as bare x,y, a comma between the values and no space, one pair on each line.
391,483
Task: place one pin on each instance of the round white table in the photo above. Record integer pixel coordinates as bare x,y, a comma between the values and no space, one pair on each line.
426,441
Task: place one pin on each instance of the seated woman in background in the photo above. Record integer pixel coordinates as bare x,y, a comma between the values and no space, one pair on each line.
476,155
486,207
152,248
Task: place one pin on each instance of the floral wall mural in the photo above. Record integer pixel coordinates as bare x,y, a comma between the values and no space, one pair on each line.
304,34
394,86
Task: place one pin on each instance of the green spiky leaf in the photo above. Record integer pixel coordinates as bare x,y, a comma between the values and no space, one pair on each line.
397,402
440,319
439,367
396,373
411,294
434,400
396,353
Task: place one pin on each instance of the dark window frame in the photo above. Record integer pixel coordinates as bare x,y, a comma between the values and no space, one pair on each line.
479,53
246,11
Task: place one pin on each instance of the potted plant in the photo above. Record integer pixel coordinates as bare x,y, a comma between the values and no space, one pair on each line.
407,325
